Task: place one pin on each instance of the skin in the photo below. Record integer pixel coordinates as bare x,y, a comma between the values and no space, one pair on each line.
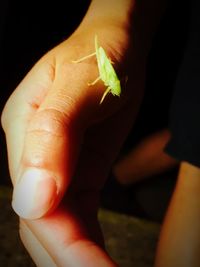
179,243
57,131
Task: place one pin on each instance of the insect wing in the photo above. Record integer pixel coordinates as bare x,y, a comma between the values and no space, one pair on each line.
107,72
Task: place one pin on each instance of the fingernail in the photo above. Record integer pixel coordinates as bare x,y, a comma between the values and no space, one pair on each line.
34,194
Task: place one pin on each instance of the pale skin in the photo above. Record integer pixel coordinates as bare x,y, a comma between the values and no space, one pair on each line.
49,121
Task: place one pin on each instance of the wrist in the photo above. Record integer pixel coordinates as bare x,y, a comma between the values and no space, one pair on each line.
130,21
117,12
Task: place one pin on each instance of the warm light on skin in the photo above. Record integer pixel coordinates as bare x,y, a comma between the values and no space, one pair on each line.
37,189
179,243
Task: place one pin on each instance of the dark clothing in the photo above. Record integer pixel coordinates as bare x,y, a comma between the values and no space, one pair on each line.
185,109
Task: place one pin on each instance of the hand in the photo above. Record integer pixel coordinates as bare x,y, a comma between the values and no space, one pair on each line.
61,144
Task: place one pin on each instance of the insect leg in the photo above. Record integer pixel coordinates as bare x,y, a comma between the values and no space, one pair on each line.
111,62
84,58
105,94
95,81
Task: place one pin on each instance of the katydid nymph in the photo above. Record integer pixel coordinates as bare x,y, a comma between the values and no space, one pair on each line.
106,71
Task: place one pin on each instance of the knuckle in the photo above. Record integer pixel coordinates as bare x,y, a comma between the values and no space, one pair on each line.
3,120
49,122
45,136
5,115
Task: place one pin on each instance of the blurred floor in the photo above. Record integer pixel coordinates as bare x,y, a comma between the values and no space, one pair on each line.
12,252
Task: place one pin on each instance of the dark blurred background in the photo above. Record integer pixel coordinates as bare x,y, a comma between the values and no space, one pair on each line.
29,29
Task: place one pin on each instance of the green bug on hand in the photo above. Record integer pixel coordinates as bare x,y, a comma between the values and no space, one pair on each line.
106,71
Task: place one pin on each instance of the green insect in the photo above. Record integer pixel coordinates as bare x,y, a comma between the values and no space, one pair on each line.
106,71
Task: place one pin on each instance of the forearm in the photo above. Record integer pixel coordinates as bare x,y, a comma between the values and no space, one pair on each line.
180,237
145,160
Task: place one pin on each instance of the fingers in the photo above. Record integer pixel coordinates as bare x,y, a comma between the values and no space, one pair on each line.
20,108
37,251
51,145
46,166
67,248
44,122
69,241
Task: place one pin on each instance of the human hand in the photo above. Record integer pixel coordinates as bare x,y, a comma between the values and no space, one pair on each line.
61,144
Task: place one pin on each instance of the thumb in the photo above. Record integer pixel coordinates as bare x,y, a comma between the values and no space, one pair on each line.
51,146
